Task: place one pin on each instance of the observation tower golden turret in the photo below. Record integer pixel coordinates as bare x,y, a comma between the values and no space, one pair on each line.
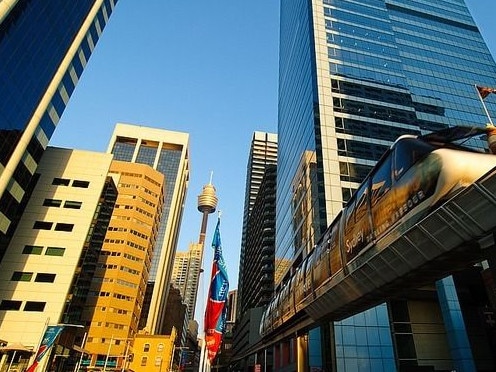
207,203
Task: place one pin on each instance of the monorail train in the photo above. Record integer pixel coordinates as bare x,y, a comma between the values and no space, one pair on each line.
413,177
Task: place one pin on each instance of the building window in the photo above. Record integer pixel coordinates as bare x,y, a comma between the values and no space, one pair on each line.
21,276
42,225
32,249
45,278
158,361
61,181
146,348
160,347
64,227
81,184
72,204
10,305
144,360
34,306
54,251
52,203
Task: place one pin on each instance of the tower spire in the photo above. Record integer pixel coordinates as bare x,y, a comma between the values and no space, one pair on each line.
207,203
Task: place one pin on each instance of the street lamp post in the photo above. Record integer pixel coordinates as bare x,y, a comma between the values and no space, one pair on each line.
124,362
108,354
126,353
172,357
80,361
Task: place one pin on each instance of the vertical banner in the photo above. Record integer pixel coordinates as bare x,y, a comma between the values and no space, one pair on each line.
51,334
215,314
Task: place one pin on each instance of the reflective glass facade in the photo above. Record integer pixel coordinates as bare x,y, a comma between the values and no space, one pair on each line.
44,47
353,76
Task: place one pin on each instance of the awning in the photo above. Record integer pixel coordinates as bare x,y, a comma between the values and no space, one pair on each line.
16,347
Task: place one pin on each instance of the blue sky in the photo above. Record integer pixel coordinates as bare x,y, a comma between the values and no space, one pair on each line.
206,68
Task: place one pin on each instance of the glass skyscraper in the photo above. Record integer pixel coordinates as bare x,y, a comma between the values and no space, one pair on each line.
353,76
44,48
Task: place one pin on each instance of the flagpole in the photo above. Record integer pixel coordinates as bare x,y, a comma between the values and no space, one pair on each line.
45,327
484,105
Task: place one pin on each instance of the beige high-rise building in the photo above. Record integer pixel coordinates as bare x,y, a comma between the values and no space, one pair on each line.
167,152
186,275
124,264
39,266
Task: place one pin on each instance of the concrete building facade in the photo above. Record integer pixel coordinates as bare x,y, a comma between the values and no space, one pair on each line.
117,290
167,152
38,271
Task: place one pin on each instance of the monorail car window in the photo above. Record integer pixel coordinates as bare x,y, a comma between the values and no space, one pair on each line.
322,269
408,152
336,262
357,231
300,282
381,181
285,298
361,208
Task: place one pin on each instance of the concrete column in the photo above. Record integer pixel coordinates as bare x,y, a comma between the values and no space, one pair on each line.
302,354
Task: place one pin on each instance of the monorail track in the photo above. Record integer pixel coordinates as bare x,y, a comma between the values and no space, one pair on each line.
452,237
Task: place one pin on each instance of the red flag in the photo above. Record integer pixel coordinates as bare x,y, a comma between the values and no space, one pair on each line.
485,91
51,333
215,314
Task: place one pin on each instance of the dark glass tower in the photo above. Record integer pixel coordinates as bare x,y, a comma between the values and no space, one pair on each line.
353,76
256,266
44,48
263,153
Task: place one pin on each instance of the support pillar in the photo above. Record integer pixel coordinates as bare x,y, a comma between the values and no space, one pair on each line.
302,354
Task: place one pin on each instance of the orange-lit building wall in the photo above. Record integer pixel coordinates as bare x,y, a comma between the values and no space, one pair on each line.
124,263
154,353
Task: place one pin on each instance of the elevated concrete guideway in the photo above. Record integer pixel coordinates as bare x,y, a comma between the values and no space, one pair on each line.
452,237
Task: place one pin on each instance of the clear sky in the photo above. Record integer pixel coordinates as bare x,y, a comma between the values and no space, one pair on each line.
208,68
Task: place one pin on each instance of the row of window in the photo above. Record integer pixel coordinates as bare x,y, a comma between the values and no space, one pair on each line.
114,310
118,254
111,325
124,206
46,225
138,187
132,231
67,182
119,296
146,348
26,276
71,204
144,361
129,243
135,220
28,306
121,268
38,250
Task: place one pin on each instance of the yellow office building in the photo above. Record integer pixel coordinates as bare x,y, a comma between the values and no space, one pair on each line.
123,265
